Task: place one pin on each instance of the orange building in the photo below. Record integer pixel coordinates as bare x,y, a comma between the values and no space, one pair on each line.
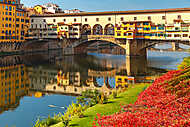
14,22
14,84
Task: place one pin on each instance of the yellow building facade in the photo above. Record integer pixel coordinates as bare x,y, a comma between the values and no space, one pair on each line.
14,22
133,30
39,9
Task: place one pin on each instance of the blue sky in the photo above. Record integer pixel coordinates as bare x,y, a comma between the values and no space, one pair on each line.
112,5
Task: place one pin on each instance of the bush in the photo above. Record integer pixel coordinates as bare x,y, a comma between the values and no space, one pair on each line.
165,103
49,121
113,94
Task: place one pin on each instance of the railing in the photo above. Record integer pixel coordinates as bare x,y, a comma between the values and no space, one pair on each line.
100,36
96,36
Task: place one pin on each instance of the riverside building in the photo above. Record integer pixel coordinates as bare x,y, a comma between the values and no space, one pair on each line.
14,24
105,23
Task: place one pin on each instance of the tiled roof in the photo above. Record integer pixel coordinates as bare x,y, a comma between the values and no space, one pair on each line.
114,12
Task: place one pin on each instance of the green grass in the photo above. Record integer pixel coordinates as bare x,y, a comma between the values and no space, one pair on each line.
111,107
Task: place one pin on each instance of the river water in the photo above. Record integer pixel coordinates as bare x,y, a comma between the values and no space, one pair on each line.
22,77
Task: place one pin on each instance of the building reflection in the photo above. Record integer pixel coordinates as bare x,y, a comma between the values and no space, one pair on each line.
40,76
21,77
14,84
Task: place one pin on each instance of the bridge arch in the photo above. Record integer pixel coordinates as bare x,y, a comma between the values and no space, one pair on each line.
81,47
86,29
109,29
97,29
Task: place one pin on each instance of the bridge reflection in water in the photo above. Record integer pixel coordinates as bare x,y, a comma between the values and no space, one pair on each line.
34,75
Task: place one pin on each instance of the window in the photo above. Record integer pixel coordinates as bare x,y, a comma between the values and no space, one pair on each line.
64,20
130,34
125,28
185,35
153,28
86,19
109,19
32,20
54,20
75,20
118,34
177,35
27,21
163,17
122,18
149,17
97,19
179,17
44,20
135,18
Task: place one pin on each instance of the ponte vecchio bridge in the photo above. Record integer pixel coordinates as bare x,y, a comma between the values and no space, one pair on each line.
133,31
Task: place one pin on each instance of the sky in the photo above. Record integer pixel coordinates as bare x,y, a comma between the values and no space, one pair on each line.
111,5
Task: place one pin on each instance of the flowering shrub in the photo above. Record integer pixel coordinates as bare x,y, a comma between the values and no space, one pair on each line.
165,103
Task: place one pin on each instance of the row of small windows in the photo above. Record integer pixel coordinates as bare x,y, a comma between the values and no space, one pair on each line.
17,19
11,37
7,1
8,13
20,14
12,32
8,8
36,26
109,19
10,25
153,34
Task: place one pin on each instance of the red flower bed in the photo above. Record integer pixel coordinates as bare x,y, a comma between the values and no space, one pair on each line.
165,103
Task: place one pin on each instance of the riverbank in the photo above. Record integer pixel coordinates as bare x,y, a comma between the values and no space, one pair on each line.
127,97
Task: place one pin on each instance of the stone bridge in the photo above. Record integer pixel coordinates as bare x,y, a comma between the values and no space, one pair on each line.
133,47
77,90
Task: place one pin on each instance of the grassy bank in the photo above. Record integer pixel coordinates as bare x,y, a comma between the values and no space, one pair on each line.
113,106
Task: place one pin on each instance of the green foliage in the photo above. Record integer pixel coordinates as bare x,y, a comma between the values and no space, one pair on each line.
91,98
49,121
113,94
185,63
74,110
103,99
87,99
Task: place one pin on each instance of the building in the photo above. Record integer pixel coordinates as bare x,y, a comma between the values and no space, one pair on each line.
51,8
39,77
48,8
73,11
133,30
123,81
14,24
69,78
39,9
104,23
14,84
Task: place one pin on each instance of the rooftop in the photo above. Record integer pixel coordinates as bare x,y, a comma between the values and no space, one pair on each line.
115,12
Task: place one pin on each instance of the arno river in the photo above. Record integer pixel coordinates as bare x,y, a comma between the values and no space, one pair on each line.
22,104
